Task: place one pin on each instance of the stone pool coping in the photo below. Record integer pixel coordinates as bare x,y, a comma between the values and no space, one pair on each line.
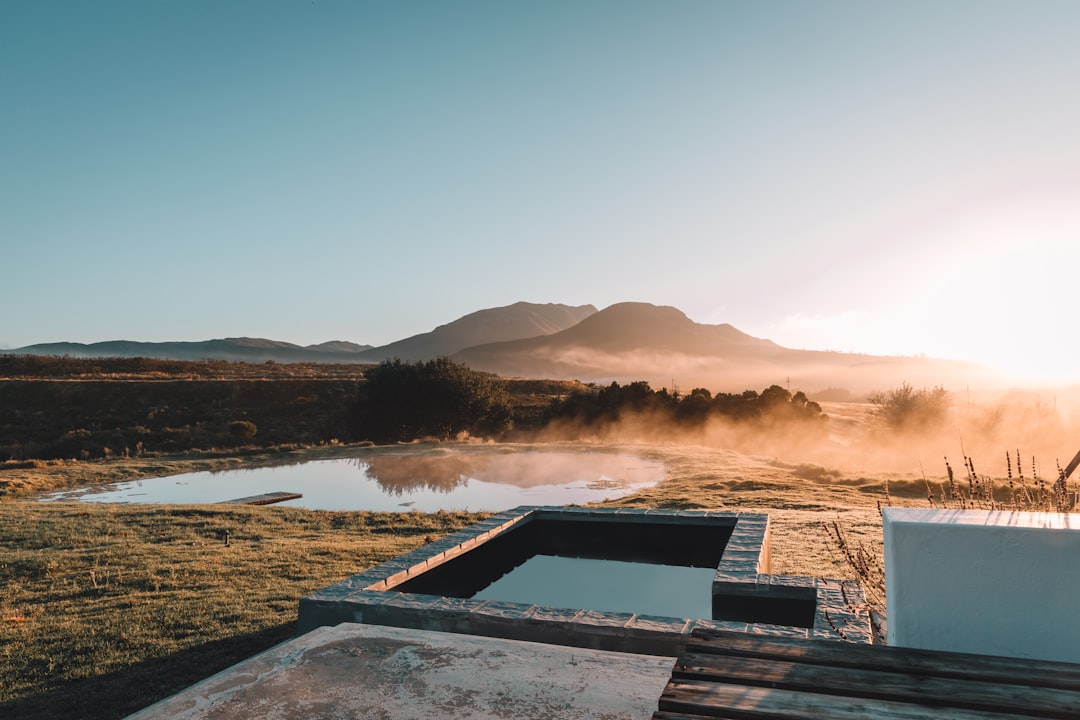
743,573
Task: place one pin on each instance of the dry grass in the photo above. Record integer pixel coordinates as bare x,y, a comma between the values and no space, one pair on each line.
105,609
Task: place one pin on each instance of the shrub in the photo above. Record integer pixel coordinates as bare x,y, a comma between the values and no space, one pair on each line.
242,430
438,398
905,407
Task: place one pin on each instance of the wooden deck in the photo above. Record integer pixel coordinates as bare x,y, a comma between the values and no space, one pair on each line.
738,675
264,499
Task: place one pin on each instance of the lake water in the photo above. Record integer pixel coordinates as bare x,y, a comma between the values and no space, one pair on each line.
395,481
607,585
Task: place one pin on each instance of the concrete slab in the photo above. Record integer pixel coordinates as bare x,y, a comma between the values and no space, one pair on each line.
370,671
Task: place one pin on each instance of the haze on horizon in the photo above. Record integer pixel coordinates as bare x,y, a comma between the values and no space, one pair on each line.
893,179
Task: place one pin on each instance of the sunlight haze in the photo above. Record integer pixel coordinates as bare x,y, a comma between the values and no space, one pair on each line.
886,178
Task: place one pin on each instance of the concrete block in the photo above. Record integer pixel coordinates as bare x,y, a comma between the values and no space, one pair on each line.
777,630
979,581
730,625
749,567
502,610
647,625
541,613
788,581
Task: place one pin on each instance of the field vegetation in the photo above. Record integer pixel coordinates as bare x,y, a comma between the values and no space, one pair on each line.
79,409
106,609
438,399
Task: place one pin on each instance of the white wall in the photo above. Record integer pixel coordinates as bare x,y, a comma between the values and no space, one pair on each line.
995,583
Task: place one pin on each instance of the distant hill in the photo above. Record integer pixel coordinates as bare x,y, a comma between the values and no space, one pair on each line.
639,341
623,342
339,346
512,322
232,349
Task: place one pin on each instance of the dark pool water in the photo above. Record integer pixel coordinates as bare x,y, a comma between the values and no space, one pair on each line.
393,481
607,585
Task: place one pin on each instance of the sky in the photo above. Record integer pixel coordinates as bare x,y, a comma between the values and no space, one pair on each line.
893,178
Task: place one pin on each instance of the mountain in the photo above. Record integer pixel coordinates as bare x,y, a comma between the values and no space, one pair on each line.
512,322
623,342
232,349
639,341
338,346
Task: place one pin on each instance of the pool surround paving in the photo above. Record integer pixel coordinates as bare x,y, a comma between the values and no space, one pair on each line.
746,596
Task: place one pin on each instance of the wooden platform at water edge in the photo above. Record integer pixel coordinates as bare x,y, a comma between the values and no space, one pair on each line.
739,676
264,499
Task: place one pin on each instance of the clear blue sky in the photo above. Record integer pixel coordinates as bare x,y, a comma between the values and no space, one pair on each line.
894,178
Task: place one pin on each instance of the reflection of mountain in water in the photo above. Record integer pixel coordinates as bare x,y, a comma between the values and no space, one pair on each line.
443,473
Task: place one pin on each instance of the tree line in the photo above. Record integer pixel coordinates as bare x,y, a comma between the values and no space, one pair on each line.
614,402
443,399
180,409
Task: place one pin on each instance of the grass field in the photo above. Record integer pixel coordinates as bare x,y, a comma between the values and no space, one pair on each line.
106,609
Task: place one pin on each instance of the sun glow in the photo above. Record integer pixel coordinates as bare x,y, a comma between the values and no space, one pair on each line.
998,290
989,282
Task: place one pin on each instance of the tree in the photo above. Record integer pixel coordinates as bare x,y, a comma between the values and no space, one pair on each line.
438,398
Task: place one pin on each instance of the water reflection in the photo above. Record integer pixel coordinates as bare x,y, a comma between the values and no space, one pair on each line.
423,479
444,473
401,475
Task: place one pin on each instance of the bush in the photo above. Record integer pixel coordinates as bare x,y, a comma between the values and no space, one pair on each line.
438,398
906,408
242,430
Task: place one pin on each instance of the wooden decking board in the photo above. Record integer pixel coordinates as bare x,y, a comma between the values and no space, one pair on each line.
1065,676
742,702
879,684
264,499
742,676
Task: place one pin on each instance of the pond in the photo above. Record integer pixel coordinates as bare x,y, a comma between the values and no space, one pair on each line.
393,480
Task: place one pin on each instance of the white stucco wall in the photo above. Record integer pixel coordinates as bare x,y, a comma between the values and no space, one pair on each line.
995,583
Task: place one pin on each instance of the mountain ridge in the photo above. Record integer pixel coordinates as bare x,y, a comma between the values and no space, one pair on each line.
518,321
242,349
661,345
623,342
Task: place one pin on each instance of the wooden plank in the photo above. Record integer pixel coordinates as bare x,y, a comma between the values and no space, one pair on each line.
743,702
665,715
264,499
881,685
1012,671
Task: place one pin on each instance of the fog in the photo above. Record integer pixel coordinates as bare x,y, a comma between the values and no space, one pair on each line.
810,371
1043,427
